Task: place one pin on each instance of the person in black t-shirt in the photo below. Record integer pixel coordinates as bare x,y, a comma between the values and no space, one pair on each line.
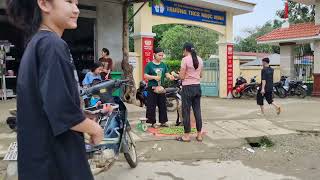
50,121
266,88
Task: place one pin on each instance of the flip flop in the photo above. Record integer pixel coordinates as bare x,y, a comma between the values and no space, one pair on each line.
199,139
182,140
164,125
154,126
278,110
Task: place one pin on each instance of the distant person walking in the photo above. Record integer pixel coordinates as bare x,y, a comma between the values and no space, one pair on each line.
190,74
266,88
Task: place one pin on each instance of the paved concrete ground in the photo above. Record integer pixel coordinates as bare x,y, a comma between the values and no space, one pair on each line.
221,155
204,170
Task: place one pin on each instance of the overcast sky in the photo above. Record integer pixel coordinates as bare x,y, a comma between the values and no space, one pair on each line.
264,11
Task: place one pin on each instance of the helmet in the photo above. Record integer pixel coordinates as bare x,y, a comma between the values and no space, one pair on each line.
142,84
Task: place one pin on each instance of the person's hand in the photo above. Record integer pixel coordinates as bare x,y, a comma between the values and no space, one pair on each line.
263,91
174,74
97,137
107,108
104,70
171,77
157,78
92,117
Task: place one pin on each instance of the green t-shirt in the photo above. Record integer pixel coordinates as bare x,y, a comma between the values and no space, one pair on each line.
152,69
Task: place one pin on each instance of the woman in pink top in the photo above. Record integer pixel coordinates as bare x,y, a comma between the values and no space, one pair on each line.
190,73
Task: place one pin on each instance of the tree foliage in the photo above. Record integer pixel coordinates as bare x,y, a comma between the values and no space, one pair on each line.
299,13
204,40
249,44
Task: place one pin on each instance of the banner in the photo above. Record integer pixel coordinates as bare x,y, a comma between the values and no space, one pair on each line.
192,13
147,52
229,68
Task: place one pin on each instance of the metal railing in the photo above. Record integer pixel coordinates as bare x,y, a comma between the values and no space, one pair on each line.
303,66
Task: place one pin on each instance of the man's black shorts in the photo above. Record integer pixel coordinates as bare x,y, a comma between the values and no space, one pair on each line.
267,95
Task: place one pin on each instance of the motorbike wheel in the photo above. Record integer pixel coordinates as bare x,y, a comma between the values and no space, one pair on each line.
281,92
250,93
131,156
236,94
300,92
254,91
172,104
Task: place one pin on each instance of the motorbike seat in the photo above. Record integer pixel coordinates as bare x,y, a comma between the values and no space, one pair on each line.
171,90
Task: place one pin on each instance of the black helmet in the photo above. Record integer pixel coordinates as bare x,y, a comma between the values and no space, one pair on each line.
142,84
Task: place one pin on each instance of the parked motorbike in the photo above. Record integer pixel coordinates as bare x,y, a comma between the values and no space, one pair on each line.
242,88
173,96
294,88
12,120
279,90
142,93
117,136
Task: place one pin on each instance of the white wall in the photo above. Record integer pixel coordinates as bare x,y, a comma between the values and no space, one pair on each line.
2,4
109,29
287,61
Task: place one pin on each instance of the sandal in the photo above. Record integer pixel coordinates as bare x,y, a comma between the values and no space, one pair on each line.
164,125
278,110
182,140
199,139
154,126
178,123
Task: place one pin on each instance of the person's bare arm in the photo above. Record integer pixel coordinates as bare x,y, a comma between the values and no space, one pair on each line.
90,127
169,76
182,73
263,86
150,77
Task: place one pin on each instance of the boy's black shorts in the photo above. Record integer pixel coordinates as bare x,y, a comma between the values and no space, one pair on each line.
267,95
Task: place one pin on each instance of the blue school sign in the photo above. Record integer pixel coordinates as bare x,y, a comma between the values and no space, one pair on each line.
192,13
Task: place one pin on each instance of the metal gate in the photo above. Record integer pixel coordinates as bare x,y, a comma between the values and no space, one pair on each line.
210,77
303,66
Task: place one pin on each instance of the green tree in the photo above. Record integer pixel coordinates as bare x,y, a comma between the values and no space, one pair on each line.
204,40
249,44
159,30
299,13
128,15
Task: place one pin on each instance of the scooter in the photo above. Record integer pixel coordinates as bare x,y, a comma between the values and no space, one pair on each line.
279,90
294,88
242,88
173,96
117,136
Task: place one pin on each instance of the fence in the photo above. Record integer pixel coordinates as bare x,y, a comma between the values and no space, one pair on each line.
303,66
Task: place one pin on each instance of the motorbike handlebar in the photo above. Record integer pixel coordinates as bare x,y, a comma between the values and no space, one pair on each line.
103,85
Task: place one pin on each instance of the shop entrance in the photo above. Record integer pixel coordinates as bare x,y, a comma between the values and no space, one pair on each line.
81,42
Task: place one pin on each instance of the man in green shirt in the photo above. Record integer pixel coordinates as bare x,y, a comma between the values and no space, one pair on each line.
155,72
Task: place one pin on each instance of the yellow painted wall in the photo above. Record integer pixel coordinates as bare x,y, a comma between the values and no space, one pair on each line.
251,71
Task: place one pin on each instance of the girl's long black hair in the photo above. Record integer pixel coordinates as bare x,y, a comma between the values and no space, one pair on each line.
189,47
24,14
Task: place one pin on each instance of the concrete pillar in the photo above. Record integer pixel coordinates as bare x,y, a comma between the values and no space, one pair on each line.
109,30
2,4
142,29
317,12
224,40
287,61
316,71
